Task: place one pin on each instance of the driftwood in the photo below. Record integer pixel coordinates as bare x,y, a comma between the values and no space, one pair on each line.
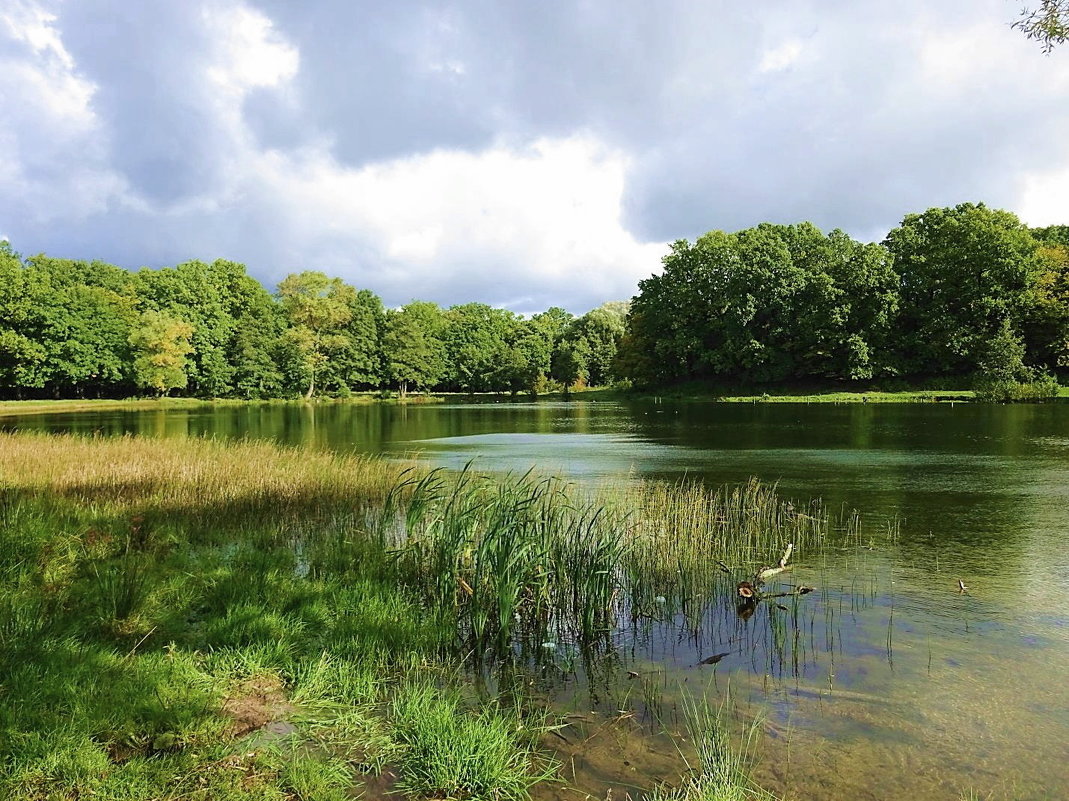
769,572
750,593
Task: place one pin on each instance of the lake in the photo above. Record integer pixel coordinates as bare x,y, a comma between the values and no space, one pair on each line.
888,682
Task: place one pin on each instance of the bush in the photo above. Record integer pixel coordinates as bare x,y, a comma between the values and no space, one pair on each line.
1043,387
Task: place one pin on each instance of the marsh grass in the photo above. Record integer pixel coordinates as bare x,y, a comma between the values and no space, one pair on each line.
148,583
719,768
447,751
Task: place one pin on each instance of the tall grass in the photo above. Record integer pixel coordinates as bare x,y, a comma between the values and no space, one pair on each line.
519,559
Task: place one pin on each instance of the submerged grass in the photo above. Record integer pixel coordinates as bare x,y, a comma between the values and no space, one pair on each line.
163,600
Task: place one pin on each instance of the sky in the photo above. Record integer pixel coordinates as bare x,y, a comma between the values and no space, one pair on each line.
522,153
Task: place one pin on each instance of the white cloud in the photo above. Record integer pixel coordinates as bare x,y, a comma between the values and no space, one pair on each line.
46,76
1045,198
54,163
549,213
249,52
439,152
780,58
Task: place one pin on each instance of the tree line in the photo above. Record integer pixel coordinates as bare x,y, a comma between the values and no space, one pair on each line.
89,329
961,291
950,293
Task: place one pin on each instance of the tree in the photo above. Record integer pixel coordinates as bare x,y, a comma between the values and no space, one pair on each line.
477,339
762,304
1048,24
161,344
412,349
528,357
590,344
85,325
964,270
253,349
1046,322
356,360
317,308
22,358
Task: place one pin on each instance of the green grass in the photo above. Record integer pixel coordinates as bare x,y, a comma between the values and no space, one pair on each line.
720,769
162,600
447,751
13,407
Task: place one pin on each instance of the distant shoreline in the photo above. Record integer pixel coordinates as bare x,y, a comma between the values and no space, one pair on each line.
9,408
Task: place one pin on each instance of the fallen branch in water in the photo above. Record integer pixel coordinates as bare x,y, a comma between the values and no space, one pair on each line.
769,572
750,591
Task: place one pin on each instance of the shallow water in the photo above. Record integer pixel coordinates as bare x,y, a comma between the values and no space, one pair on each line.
885,683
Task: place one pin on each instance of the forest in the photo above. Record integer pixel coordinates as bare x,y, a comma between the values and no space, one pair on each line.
964,293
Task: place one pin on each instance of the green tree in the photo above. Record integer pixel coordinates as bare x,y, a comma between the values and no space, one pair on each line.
22,357
356,359
317,308
161,344
1046,323
964,270
764,304
590,345
85,328
413,349
477,340
255,348
527,358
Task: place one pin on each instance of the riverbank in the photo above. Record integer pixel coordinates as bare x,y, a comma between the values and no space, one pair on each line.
13,407
184,618
698,392
705,391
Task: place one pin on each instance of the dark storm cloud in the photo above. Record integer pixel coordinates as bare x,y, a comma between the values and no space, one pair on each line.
146,61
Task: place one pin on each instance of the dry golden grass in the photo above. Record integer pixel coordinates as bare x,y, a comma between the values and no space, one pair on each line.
170,473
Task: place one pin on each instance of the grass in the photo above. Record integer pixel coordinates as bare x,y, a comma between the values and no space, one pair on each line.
15,407
445,750
161,601
721,770
151,591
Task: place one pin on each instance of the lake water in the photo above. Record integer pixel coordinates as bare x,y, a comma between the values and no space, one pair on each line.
888,682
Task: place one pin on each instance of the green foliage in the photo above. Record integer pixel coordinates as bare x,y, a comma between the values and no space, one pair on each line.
588,349
771,304
764,304
783,303
964,271
1003,376
161,344
1048,24
477,341
722,771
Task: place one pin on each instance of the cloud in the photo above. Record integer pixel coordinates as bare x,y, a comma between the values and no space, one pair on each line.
781,57
516,153
522,227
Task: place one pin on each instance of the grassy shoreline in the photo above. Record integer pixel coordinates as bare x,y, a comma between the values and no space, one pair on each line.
10,408
193,619
14,407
